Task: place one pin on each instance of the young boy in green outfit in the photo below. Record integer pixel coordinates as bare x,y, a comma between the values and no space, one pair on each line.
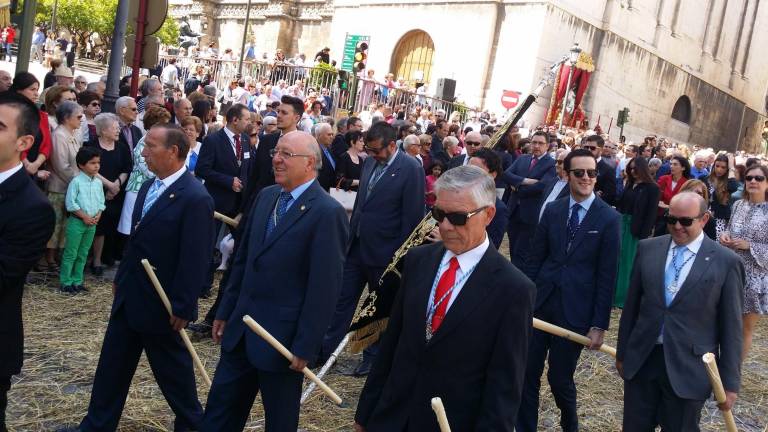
84,202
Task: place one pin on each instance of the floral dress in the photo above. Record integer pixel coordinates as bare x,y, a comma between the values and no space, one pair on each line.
750,222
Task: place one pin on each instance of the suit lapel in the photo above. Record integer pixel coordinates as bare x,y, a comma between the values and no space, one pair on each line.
168,197
475,289
424,282
261,215
362,191
659,261
389,173
587,224
700,266
298,209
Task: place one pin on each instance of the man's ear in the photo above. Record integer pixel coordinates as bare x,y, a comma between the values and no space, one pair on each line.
24,142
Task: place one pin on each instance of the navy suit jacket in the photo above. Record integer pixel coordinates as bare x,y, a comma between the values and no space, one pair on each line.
498,226
525,201
176,236
217,165
585,272
288,282
327,174
383,220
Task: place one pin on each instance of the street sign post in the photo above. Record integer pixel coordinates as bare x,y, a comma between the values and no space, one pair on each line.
351,44
510,98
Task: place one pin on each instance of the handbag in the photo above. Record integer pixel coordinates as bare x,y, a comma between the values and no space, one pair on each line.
344,197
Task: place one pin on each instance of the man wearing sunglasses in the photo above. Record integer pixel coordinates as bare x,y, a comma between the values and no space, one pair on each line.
527,178
389,205
684,300
574,262
606,182
472,142
459,324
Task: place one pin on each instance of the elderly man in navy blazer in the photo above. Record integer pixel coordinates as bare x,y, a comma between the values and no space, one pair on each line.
574,261
287,275
528,177
173,229
389,205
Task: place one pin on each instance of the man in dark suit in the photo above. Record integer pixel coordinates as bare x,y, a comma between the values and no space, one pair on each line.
287,275
527,178
574,261
130,134
685,300
221,161
606,174
173,229
490,162
327,176
556,187
437,152
389,205
472,142
476,308
26,224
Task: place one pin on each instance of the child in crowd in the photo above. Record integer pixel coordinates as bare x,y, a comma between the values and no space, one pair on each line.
84,202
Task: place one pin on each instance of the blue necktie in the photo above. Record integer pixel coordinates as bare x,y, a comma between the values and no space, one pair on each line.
678,253
153,194
280,210
378,171
330,158
573,223
192,161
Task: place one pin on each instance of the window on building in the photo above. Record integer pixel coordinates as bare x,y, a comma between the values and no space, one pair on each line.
412,58
682,110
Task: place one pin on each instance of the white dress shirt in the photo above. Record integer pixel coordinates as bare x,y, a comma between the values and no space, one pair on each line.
553,195
5,175
467,261
171,179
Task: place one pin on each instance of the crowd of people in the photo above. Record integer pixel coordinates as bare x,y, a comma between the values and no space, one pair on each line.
676,236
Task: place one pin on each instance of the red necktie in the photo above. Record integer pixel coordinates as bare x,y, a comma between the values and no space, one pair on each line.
533,163
446,282
238,148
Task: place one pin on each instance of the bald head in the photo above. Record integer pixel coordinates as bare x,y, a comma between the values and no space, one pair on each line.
5,80
473,141
412,145
296,160
687,217
689,200
324,134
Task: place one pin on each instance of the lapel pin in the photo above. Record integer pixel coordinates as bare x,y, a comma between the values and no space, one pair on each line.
303,207
393,174
171,195
706,259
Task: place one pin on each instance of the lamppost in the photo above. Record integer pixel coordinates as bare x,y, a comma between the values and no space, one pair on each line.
245,36
573,57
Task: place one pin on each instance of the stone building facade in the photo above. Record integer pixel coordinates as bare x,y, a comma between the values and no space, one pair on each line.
698,59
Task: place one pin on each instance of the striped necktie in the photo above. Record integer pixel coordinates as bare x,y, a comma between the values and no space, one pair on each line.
153,194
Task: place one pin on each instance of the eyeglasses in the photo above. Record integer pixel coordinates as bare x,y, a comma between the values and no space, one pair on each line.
684,221
757,178
80,117
94,104
285,154
578,172
473,143
253,135
590,148
372,150
80,82
455,218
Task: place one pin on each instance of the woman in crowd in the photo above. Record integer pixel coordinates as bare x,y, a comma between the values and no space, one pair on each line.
50,78
722,184
700,188
201,109
350,163
192,126
28,86
747,235
53,98
115,167
436,170
637,204
653,166
670,184
91,103
63,169
139,170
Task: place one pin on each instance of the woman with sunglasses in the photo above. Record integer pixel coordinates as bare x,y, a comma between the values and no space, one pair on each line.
721,185
637,205
670,185
747,235
91,103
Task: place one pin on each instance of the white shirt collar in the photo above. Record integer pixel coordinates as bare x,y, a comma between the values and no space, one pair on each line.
230,134
693,246
586,204
171,179
470,258
5,175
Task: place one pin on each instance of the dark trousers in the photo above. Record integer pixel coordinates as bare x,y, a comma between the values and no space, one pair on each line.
234,390
356,276
520,236
650,401
563,358
5,385
171,365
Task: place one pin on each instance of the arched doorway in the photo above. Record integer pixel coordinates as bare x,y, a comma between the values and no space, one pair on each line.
412,58
682,110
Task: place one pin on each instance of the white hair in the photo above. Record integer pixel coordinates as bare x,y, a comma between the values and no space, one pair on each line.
450,141
469,178
103,121
321,128
122,102
409,141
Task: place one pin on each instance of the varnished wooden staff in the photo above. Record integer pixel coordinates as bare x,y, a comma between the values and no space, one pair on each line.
575,337
442,418
718,390
226,219
261,331
159,288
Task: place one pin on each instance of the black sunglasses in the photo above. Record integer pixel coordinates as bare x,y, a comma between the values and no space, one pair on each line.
372,149
684,221
455,218
590,148
757,178
473,143
579,172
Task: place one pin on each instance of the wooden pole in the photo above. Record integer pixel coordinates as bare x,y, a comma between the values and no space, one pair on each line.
195,359
718,390
575,337
442,418
326,367
226,219
261,331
